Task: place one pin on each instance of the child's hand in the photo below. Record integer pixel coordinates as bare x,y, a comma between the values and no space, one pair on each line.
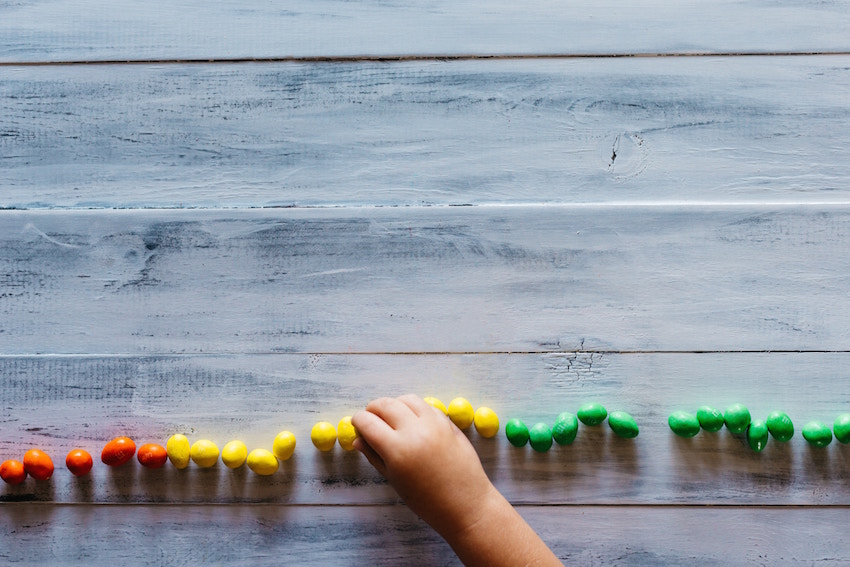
436,471
426,458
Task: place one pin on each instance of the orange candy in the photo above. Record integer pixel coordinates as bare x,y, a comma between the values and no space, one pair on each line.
118,451
79,462
152,456
13,472
38,464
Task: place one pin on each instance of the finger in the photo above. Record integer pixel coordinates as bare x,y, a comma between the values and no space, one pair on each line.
416,404
373,429
392,410
374,459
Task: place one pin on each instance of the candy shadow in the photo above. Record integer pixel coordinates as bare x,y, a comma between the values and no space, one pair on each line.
82,488
121,483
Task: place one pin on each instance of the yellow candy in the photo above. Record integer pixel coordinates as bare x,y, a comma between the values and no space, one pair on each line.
233,454
347,433
284,445
323,436
204,453
437,404
262,462
177,449
486,422
461,412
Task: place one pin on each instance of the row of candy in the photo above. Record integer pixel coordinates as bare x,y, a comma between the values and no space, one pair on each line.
205,453
738,420
37,464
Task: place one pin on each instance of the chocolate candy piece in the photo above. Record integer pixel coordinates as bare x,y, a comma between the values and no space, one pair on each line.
683,424
516,432
737,418
757,435
623,424
841,428
817,434
780,426
565,428
592,414
540,437
710,419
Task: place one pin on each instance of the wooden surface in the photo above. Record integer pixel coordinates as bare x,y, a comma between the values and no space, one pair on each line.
67,30
230,248
427,133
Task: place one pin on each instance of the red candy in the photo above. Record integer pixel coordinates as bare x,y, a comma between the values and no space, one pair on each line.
152,456
79,462
118,451
13,472
38,464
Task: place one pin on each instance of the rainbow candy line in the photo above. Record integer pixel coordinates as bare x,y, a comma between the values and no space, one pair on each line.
324,436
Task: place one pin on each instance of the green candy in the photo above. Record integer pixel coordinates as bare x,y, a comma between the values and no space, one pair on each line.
841,427
516,432
818,434
541,437
565,429
592,414
737,418
780,426
757,435
683,424
623,424
710,419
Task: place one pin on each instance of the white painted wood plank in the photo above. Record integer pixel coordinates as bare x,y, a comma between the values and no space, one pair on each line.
190,29
271,535
458,279
59,403
565,131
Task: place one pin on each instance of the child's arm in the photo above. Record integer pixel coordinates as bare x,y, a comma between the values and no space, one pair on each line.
436,471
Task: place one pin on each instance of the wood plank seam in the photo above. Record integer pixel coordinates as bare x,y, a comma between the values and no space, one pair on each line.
413,58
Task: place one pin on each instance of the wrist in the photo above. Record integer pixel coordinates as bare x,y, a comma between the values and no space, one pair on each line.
478,520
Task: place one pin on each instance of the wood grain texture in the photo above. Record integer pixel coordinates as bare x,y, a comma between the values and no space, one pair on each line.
459,279
190,29
273,535
465,132
58,403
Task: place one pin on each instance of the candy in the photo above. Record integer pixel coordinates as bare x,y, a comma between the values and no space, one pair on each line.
13,472
486,422
262,462
841,428
204,453
592,414
516,432
737,418
757,435
346,433
234,454
818,434
79,462
565,429
461,412
118,451
710,419
38,464
780,426
623,424
540,437
323,436
177,447
683,424
152,455
284,445
437,404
